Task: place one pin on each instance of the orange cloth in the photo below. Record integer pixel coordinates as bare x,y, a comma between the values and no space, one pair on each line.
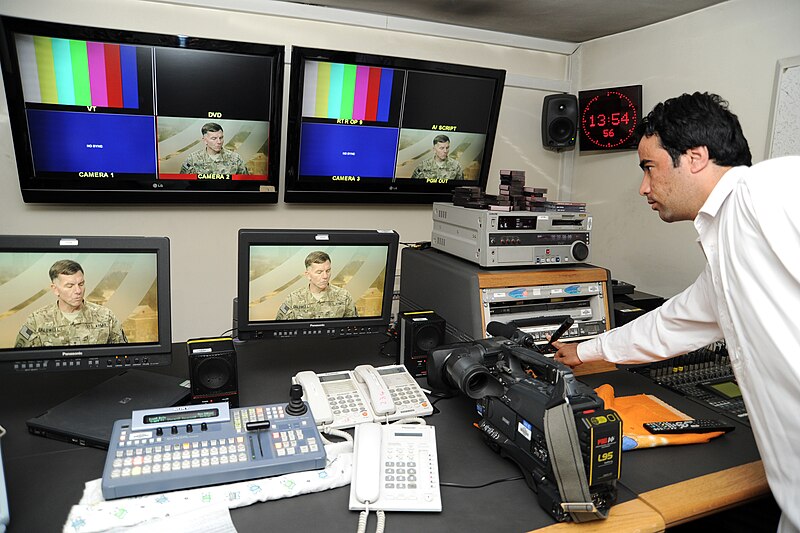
638,409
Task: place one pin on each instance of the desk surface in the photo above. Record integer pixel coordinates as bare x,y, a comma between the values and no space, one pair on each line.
46,477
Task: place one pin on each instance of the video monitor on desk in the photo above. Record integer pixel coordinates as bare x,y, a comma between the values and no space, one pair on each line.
297,283
381,129
107,115
83,303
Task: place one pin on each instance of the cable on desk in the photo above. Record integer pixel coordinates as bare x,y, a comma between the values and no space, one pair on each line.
326,430
392,334
461,486
441,396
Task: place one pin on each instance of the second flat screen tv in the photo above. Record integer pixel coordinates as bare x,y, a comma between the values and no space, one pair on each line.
376,129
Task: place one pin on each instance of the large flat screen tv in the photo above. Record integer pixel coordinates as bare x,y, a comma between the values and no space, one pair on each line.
327,283
114,116
84,303
380,129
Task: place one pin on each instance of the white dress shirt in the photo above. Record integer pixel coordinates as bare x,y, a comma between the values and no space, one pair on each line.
748,294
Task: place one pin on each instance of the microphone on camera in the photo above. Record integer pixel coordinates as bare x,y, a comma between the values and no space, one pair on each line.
565,325
499,329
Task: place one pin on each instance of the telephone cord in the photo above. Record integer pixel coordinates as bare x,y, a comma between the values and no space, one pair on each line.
413,420
324,430
364,516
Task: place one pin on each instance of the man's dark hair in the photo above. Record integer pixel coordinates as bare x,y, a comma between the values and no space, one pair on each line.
700,119
210,126
318,257
441,139
67,267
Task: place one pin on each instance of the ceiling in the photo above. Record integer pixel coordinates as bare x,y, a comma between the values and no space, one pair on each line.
573,21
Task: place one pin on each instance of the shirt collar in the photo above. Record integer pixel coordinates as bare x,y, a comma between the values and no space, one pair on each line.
720,192
710,209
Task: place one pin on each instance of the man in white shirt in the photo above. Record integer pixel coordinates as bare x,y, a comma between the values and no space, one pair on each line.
696,165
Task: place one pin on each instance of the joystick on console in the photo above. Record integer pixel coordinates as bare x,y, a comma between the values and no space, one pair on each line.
296,406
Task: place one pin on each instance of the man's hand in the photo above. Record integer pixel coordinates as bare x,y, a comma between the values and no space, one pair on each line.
567,353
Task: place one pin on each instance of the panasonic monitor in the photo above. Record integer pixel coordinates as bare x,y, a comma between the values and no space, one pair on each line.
297,283
381,129
84,303
103,115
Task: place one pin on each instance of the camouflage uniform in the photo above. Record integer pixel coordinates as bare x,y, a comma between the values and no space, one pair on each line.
200,162
94,324
301,304
448,169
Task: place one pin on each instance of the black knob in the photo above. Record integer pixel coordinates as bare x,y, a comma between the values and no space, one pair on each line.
580,251
296,406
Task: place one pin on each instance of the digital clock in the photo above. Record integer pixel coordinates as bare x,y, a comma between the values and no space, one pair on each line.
609,118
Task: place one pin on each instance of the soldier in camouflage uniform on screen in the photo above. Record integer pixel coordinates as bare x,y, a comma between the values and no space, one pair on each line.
214,158
319,299
71,320
439,166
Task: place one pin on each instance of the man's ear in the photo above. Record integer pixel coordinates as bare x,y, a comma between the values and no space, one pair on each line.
698,158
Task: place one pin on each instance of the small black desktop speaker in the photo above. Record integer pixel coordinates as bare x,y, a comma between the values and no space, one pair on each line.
559,120
213,371
420,332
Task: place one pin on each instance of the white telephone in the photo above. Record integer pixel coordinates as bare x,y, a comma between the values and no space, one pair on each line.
379,396
347,398
395,468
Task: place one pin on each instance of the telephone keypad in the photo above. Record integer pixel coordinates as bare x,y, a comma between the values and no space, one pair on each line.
400,469
407,397
347,402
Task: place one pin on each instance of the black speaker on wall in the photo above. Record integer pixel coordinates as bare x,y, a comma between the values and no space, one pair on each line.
213,371
559,120
420,332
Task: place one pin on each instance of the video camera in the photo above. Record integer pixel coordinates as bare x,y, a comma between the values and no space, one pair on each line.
534,412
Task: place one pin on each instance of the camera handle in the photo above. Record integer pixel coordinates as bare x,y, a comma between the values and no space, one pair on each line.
560,375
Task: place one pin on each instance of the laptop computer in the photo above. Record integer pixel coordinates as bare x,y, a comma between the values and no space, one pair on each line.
87,419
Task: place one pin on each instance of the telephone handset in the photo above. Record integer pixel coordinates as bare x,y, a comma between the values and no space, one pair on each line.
347,398
379,396
395,468
315,396
368,458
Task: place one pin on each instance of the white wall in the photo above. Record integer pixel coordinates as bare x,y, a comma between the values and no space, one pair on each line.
730,49
203,238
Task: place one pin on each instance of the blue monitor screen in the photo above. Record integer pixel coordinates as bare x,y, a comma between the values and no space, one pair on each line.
341,150
89,145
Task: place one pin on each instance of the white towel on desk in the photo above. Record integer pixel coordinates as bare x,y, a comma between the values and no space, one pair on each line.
94,514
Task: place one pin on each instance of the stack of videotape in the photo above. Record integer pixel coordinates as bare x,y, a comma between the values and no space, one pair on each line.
565,207
470,197
535,198
512,185
513,195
